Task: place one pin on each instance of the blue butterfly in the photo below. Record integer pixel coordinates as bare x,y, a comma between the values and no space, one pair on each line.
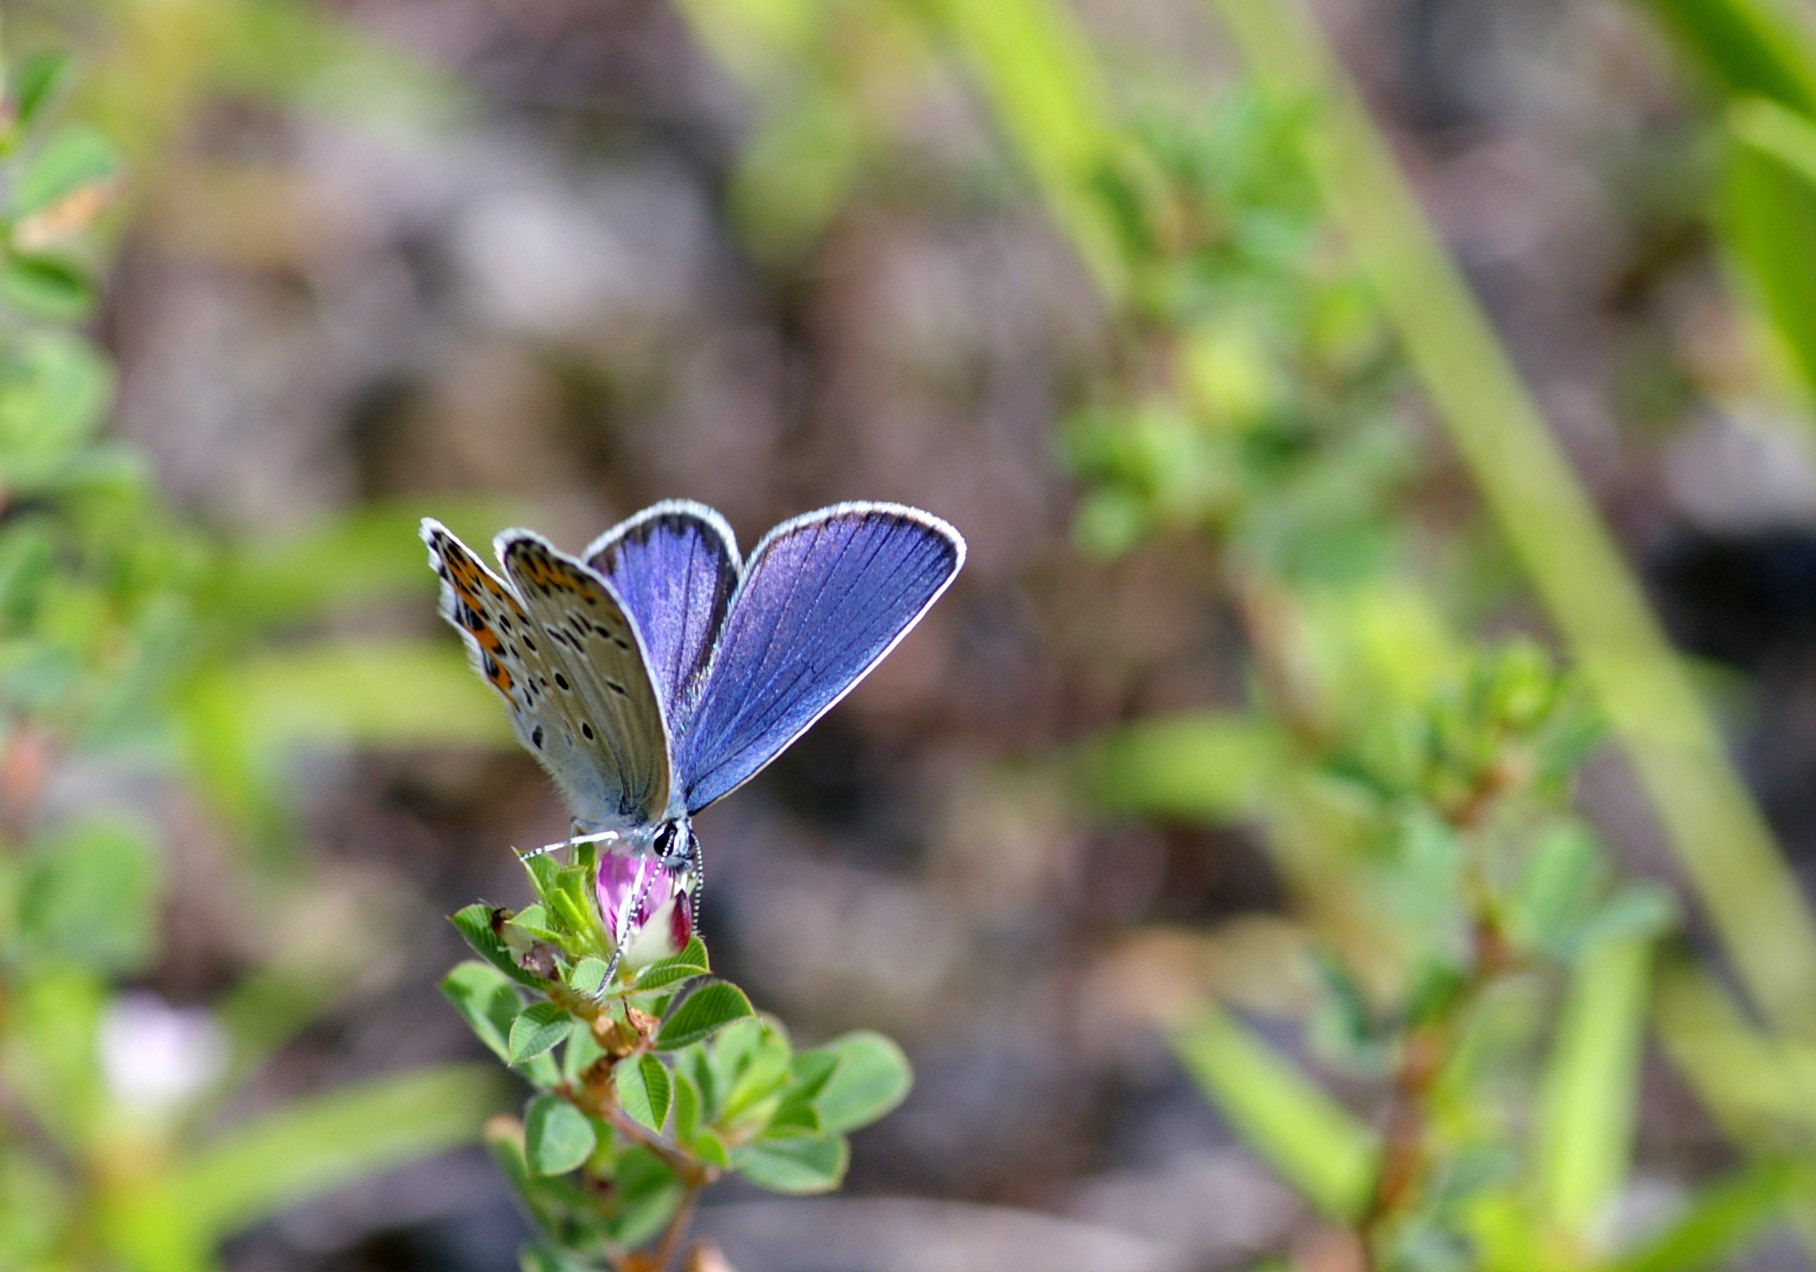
660,672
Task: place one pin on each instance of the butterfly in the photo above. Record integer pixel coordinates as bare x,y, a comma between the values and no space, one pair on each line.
660,671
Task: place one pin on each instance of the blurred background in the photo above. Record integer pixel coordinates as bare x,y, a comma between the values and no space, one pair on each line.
1149,811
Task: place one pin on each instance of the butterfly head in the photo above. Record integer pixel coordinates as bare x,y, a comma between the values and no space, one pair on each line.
676,846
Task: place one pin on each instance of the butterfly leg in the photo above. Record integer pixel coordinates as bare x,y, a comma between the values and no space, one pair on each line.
697,868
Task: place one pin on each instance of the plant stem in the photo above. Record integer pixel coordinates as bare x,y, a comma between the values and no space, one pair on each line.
670,1245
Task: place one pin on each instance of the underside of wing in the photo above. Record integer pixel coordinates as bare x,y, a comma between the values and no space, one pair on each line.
595,688
500,638
675,567
823,598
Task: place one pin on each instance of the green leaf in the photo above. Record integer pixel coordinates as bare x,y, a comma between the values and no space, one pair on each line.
37,82
754,1060
75,155
688,1107
798,1164
662,973
551,1201
557,1137
533,920
487,1001
581,1052
702,1010
1316,1145
1591,1085
544,872
474,923
91,894
871,1078
1721,1220
1200,766
793,1117
1746,46
1563,878
536,1030
46,286
575,911
28,549
315,1145
1768,205
588,976
709,1146
644,1090
55,390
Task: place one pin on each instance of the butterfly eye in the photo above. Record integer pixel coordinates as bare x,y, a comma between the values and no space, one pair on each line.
665,841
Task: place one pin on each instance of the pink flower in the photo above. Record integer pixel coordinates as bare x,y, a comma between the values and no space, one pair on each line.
662,923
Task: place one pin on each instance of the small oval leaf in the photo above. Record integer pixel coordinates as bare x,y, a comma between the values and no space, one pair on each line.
588,976
872,1077
644,1090
799,1164
486,1000
708,1008
536,1030
556,1136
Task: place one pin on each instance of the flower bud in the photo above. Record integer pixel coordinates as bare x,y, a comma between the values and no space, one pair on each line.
664,921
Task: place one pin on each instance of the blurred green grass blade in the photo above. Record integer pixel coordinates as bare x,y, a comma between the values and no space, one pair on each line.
1200,766
1768,220
1556,532
1316,1145
313,1146
1753,47
1751,1082
370,552
361,693
1722,1220
1043,84
1590,1087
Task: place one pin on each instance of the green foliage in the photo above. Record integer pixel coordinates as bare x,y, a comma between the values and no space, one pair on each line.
1277,293
1767,206
650,1086
131,642
1316,1144
1746,47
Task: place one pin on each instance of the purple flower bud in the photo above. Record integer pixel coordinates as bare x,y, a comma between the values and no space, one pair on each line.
662,923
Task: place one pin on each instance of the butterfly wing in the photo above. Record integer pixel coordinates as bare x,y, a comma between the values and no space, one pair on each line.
675,567
592,690
507,647
823,598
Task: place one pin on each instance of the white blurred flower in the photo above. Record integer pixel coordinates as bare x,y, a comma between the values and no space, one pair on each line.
155,1057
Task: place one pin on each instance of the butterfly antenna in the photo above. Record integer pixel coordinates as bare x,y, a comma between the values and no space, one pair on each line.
697,866
603,837
629,928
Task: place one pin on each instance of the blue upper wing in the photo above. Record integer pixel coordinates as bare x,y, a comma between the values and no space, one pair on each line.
675,567
823,598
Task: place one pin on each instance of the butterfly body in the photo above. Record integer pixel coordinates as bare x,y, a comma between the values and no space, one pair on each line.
661,671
